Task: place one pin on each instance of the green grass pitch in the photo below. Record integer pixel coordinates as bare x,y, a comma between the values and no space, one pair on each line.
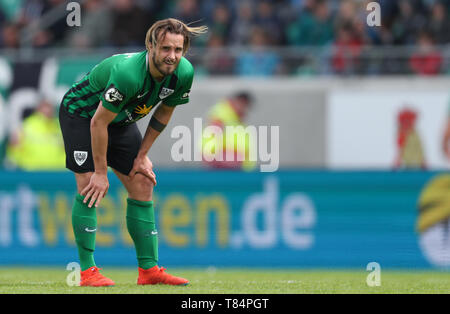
231,281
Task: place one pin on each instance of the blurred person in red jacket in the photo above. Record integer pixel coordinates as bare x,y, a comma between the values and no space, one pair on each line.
427,60
410,152
347,49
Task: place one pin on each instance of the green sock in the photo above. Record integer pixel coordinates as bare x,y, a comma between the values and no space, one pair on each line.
84,223
141,226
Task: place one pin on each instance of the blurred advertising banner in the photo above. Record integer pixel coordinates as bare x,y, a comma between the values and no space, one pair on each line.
23,83
283,219
387,129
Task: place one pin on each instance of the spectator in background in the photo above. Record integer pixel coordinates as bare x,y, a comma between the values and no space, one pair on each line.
10,9
427,60
346,13
408,24
439,24
241,28
314,27
59,29
96,26
33,12
285,22
257,60
188,11
39,145
220,24
218,61
267,19
10,36
231,112
130,23
347,50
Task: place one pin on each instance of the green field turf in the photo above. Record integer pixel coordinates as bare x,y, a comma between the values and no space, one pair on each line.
231,281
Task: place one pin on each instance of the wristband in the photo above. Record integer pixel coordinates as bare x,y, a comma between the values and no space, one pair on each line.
155,124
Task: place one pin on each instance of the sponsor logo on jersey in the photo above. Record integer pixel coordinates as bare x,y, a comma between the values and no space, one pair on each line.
112,95
143,110
80,157
165,92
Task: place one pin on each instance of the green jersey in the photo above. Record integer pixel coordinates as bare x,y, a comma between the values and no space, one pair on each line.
124,85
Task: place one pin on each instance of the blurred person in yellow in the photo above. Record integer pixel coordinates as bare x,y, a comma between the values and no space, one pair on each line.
234,141
38,145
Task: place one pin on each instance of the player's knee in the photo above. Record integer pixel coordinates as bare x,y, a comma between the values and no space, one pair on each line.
82,180
144,182
142,187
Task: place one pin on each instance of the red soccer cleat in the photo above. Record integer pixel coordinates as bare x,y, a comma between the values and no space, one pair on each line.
156,275
92,278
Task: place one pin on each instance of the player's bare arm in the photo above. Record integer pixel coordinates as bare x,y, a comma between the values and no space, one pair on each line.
98,184
142,163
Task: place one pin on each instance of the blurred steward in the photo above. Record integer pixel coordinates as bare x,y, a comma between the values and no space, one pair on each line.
231,111
38,145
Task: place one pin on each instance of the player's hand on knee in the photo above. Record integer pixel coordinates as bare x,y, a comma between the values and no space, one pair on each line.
96,189
144,166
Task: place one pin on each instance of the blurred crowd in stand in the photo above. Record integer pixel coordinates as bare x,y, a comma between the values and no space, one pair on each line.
256,26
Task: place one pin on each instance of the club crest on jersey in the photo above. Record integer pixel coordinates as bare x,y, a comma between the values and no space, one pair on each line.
112,95
165,92
80,157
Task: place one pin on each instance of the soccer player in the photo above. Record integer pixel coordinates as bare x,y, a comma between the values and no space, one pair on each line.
97,118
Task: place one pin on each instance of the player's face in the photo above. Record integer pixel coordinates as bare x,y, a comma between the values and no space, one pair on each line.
167,53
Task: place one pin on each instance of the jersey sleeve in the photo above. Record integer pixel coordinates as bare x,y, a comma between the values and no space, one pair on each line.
119,90
184,84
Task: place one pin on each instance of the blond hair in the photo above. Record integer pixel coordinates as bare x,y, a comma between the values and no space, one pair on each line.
160,28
